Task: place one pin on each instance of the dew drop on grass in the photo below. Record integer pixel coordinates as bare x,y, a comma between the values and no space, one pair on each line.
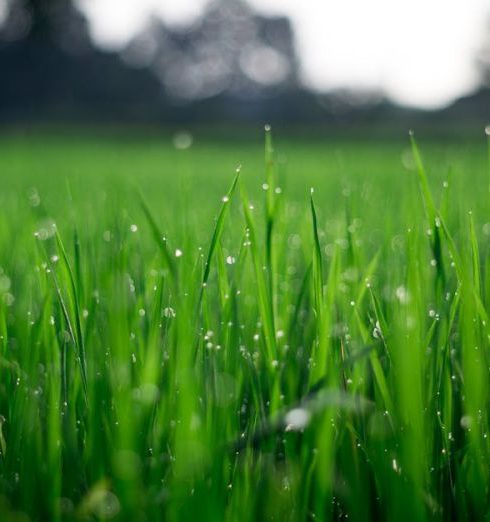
402,295
178,253
169,312
487,130
377,333
297,419
230,260
46,230
133,228
265,186
225,199
394,465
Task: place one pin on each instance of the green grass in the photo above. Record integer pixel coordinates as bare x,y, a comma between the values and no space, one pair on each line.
184,339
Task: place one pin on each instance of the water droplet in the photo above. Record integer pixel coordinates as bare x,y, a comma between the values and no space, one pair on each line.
402,295
466,422
297,419
178,253
133,228
267,128
169,312
377,333
230,260
225,199
265,186
394,465
46,230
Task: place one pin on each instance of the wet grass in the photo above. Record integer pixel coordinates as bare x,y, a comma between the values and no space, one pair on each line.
182,338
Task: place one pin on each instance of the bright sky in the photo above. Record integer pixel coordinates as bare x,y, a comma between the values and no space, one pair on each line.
419,52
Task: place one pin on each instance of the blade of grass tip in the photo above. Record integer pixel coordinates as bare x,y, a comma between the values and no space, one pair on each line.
218,230
269,204
430,208
76,311
158,237
317,260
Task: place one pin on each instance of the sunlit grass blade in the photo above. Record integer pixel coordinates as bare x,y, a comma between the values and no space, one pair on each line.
317,267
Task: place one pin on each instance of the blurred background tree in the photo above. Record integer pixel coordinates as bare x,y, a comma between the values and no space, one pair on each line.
231,65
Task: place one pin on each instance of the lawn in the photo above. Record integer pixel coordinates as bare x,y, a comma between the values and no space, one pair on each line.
233,330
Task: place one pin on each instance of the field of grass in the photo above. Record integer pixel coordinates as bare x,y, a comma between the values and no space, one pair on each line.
304,337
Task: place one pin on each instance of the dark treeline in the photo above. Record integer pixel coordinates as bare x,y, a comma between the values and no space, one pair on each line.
232,66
